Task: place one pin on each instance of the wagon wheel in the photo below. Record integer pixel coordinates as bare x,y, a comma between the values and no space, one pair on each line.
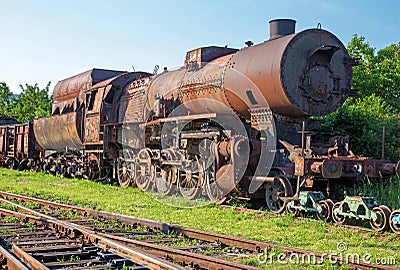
213,190
143,170
63,171
337,217
12,163
395,221
23,165
381,222
166,179
295,212
281,187
325,213
124,169
191,179
94,170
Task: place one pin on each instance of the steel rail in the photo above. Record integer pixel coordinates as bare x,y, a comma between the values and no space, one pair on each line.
89,236
10,261
253,245
193,259
189,258
158,226
28,259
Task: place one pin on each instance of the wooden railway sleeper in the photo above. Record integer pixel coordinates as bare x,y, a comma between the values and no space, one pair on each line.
130,253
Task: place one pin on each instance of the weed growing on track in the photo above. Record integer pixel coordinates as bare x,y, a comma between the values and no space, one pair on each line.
281,229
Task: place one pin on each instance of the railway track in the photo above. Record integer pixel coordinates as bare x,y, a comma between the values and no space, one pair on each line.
47,243
156,238
188,256
260,212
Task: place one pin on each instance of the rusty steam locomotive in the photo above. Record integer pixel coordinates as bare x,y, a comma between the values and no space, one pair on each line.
228,123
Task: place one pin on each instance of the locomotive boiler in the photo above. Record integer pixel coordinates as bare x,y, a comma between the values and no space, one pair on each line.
229,123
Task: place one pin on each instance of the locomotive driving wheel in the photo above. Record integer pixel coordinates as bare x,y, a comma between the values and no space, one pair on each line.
165,180
191,179
143,170
381,220
214,192
124,169
274,192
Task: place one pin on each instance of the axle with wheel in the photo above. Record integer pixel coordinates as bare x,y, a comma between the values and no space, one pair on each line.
394,221
312,202
364,208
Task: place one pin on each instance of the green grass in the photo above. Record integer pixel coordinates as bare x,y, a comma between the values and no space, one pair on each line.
387,193
280,229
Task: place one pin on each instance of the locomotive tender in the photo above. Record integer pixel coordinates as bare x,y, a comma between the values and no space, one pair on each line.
228,123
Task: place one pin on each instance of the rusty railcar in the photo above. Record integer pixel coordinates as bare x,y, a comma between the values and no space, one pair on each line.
5,136
18,146
79,138
224,124
64,129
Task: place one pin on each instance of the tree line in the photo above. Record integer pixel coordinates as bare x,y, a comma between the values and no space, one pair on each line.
377,104
33,102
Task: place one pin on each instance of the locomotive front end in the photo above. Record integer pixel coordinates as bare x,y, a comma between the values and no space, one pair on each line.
299,74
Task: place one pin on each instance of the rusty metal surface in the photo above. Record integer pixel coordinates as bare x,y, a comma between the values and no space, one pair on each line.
3,140
198,57
343,166
69,92
25,141
28,259
59,131
281,69
132,101
308,73
112,94
188,84
160,226
9,261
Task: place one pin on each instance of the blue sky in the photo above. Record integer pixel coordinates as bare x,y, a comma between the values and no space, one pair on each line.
44,41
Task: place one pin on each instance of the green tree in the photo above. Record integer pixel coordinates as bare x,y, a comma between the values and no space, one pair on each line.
6,97
363,119
32,103
378,73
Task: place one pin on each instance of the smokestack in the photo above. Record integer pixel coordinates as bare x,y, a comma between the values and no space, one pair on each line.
281,27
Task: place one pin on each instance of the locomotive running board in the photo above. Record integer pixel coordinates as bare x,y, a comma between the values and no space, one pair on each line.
180,118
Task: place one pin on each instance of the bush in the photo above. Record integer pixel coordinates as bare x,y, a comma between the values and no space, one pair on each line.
362,119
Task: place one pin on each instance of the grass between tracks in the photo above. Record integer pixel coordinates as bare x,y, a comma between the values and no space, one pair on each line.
280,229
